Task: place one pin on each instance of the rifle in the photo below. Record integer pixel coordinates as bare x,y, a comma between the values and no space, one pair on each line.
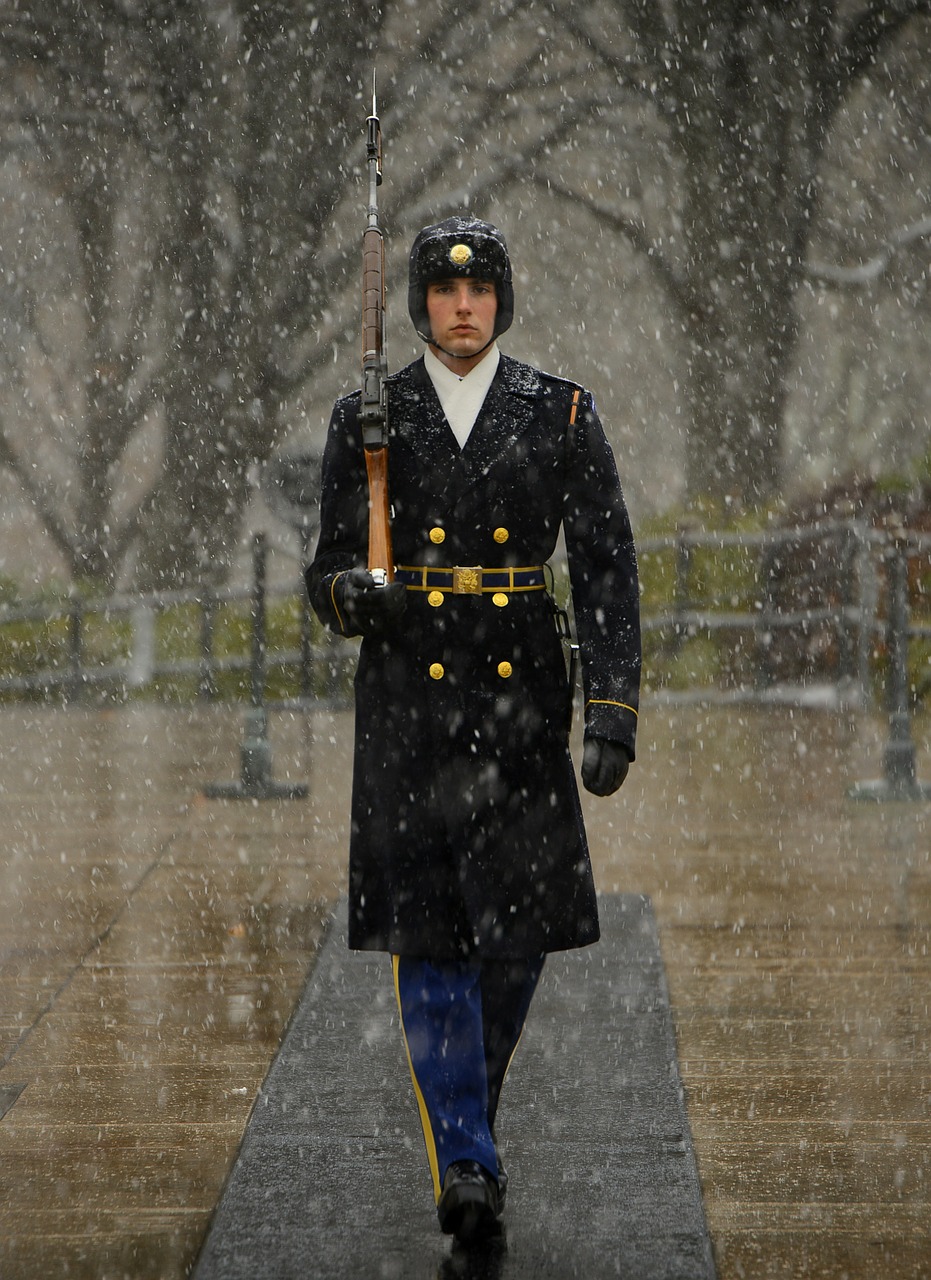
373,414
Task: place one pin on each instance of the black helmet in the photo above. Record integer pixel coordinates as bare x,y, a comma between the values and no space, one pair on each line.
459,246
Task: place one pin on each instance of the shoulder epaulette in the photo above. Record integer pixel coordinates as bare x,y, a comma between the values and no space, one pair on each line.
560,381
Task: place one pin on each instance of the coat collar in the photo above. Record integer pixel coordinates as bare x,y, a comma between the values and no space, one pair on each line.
506,413
512,376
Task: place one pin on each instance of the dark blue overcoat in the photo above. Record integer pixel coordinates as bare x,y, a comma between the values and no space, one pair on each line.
467,833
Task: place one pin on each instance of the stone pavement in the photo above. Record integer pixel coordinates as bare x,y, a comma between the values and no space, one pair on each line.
592,1129
153,945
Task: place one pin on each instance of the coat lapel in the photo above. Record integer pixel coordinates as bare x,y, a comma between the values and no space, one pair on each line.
502,420
417,418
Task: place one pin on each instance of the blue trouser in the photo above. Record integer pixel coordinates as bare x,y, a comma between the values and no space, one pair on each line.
461,1022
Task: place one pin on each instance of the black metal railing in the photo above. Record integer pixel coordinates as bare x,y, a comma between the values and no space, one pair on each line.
131,661
828,614
790,611
811,606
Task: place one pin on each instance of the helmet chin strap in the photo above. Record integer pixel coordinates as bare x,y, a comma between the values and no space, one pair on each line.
453,355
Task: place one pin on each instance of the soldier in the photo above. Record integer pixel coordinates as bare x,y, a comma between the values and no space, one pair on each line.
468,857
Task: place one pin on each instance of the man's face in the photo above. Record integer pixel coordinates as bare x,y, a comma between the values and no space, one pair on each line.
462,314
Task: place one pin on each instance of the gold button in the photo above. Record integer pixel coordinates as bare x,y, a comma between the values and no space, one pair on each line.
437,535
435,598
436,671
501,535
504,669
500,599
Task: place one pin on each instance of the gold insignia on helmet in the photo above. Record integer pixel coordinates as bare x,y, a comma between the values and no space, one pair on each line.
460,254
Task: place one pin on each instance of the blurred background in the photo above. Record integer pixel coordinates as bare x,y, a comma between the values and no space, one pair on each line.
719,216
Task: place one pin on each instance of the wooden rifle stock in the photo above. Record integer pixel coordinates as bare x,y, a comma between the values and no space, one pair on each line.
380,553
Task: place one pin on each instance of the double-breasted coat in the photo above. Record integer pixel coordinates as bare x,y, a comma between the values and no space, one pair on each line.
467,833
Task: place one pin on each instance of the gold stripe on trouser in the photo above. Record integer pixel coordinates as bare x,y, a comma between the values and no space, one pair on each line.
510,1060
429,1140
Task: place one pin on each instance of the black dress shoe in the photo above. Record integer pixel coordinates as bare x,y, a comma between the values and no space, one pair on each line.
502,1186
468,1207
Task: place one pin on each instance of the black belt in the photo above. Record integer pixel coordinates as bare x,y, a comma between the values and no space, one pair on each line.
470,580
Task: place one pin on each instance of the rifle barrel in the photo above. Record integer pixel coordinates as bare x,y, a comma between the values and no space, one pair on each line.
374,407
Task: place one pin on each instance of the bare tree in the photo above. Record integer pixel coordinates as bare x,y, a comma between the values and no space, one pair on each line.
197,165
256,106
82,303
694,133
746,94
233,115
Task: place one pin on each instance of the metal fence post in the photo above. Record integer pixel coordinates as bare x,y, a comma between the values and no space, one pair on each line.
255,757
75,684
899,781
307,638
207,685
767,610
681,602
259,644
866,606
846,626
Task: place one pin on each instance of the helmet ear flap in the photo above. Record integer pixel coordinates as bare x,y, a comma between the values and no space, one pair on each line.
417,307
459,246
505,314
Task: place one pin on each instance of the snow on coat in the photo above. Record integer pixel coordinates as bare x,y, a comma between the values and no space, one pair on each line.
467,831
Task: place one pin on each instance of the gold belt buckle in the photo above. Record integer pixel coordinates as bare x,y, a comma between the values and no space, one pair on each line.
467,580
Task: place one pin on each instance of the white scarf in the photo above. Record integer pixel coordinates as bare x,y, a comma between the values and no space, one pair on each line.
462,398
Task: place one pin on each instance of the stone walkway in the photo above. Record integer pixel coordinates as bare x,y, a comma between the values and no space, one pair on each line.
153,945
592,1130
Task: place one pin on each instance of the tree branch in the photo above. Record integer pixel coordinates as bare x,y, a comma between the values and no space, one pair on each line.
646,78
46,512
871,31
636,234
867,273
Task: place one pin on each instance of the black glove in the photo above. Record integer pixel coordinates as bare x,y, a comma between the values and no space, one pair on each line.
604,766
369,609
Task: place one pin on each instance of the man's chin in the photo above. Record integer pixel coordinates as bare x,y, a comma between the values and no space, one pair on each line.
464,347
